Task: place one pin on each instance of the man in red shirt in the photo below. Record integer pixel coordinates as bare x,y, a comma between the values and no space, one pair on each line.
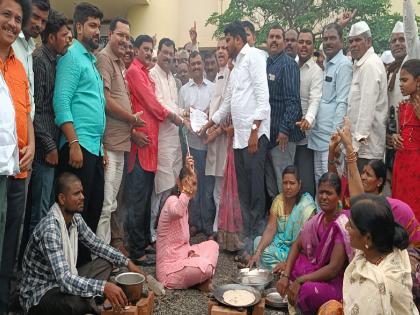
142,161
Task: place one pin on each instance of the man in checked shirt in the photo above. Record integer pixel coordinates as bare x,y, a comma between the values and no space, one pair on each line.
51,283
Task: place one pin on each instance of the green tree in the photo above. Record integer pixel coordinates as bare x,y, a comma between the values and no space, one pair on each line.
312,14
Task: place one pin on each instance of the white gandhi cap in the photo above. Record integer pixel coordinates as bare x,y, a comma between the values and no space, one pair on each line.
387,57
359,28
398,28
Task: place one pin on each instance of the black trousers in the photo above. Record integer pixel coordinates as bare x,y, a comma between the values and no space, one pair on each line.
304,161
138,188
55,302
251,189
91,175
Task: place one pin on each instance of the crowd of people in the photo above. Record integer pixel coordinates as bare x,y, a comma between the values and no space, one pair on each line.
300,160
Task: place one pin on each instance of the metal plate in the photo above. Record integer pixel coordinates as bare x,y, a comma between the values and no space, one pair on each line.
274,299
218,293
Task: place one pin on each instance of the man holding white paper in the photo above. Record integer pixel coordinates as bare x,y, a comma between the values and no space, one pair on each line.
195,97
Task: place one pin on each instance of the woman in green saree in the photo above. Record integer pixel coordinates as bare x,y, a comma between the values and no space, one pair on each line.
289,211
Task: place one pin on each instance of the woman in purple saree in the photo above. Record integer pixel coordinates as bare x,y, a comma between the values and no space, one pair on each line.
315,266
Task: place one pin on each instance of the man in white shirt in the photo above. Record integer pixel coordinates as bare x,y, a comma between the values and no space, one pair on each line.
196,95
25,44
311,77
217,140
247,100
169,146
368,100
9,152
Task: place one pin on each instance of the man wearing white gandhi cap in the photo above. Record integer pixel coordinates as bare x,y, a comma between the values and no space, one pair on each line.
399,52
368,102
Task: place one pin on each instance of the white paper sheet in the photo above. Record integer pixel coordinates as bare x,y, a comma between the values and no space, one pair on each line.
198,119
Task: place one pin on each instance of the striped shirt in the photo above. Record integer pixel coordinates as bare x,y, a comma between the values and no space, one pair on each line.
45,267
284,87
46,132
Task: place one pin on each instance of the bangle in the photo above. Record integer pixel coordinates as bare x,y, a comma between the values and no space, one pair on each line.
332,162
73,141
135,119
351,157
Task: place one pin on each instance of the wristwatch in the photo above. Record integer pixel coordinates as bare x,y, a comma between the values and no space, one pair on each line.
254,127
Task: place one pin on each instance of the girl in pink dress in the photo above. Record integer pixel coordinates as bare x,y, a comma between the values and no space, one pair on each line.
180,265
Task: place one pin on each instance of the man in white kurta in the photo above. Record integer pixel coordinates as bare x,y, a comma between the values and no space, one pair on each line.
169,147
368,101
399,53
217,147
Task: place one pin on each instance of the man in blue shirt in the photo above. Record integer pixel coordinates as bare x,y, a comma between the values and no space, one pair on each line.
337,80
79,106
284,87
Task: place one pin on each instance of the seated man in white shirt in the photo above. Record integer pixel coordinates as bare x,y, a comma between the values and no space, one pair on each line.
51,283
247,100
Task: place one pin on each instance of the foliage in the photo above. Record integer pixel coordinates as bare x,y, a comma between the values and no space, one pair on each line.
312,14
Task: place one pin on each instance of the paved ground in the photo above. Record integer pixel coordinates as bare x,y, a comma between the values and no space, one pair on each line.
194,302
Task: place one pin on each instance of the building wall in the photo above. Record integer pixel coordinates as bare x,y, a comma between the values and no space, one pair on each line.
397,6
174,18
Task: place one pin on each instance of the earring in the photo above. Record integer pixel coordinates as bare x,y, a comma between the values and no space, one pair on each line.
366,246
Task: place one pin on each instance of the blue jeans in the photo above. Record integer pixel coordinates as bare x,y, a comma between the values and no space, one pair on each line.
42,181
16,193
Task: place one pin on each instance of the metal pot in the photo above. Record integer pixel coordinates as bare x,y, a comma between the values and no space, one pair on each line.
132,285
256,278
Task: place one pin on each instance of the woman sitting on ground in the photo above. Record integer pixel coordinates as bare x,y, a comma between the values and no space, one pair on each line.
315,265
289,211
180,265
372,181
377,281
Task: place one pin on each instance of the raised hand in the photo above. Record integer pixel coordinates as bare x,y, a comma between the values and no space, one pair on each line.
345,17
345,133
193,33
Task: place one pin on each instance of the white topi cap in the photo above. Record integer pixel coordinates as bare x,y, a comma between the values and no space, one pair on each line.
359,28
398,28
387,57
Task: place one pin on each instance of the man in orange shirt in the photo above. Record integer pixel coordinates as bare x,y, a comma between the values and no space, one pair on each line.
13,16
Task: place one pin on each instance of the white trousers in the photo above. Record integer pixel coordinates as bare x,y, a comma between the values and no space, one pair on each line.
217,195
320,165
113,175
